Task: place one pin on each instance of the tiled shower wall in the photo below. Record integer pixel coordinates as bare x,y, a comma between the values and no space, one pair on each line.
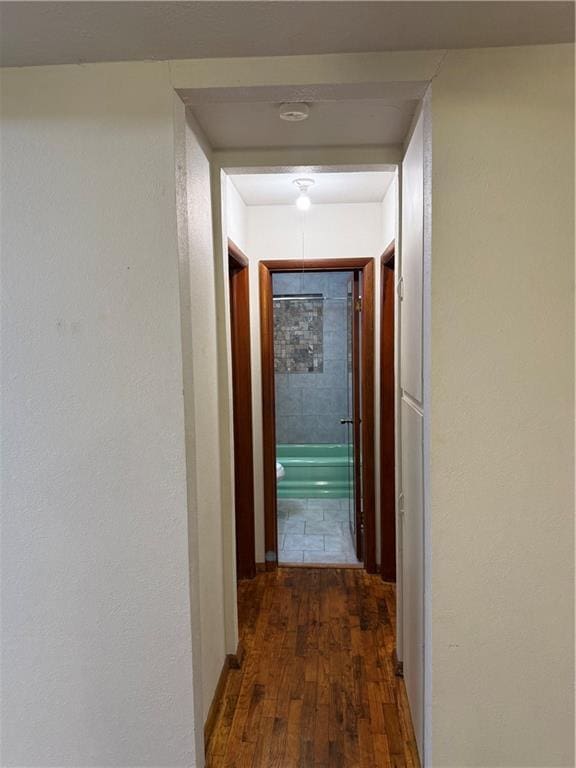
309,406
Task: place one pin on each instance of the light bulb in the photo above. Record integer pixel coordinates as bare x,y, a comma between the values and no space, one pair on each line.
303,202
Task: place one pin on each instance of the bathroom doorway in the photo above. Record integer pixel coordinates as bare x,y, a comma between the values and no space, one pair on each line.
318,387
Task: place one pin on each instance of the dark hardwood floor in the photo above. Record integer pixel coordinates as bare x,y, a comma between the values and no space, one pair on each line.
317,686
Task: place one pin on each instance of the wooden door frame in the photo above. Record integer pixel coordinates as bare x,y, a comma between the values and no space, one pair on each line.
242,412
265,272
387,419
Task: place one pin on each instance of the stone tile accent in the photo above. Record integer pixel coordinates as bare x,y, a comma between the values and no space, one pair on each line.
298,334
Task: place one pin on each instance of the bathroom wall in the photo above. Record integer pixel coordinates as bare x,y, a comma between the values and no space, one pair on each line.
309,404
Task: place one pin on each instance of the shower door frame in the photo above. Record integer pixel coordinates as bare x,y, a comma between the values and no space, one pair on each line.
265,271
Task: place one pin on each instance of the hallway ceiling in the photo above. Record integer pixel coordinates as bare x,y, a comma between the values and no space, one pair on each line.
278,188
331,123
34,33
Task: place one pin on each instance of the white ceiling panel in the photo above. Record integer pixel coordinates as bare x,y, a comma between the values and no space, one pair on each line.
279,189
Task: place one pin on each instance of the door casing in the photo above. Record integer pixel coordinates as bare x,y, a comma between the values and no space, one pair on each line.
266,270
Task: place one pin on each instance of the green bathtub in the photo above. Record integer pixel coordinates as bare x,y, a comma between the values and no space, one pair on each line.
320,470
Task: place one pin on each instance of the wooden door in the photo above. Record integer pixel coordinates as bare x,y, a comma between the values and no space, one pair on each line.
387,421
242,414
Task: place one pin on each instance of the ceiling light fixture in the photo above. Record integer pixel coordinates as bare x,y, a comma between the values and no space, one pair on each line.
303,202
294,112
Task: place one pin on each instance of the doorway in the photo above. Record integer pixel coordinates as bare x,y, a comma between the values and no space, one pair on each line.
318,440
315,356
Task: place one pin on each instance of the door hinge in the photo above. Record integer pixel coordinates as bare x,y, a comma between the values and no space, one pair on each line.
359,305
401,504
400,288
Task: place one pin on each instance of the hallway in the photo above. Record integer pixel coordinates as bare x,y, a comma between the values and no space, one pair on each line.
317,686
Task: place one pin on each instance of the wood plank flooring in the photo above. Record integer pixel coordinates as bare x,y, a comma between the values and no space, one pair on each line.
317,686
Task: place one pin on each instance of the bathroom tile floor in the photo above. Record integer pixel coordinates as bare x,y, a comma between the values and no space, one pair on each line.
314,531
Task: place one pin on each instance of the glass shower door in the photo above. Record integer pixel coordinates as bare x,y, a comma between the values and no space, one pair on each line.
352,421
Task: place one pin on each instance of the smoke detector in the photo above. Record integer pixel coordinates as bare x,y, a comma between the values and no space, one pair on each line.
294,112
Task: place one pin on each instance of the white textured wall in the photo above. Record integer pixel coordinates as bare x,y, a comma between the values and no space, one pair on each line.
236,215
502,449
206,404
390,213
282,232
95,601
